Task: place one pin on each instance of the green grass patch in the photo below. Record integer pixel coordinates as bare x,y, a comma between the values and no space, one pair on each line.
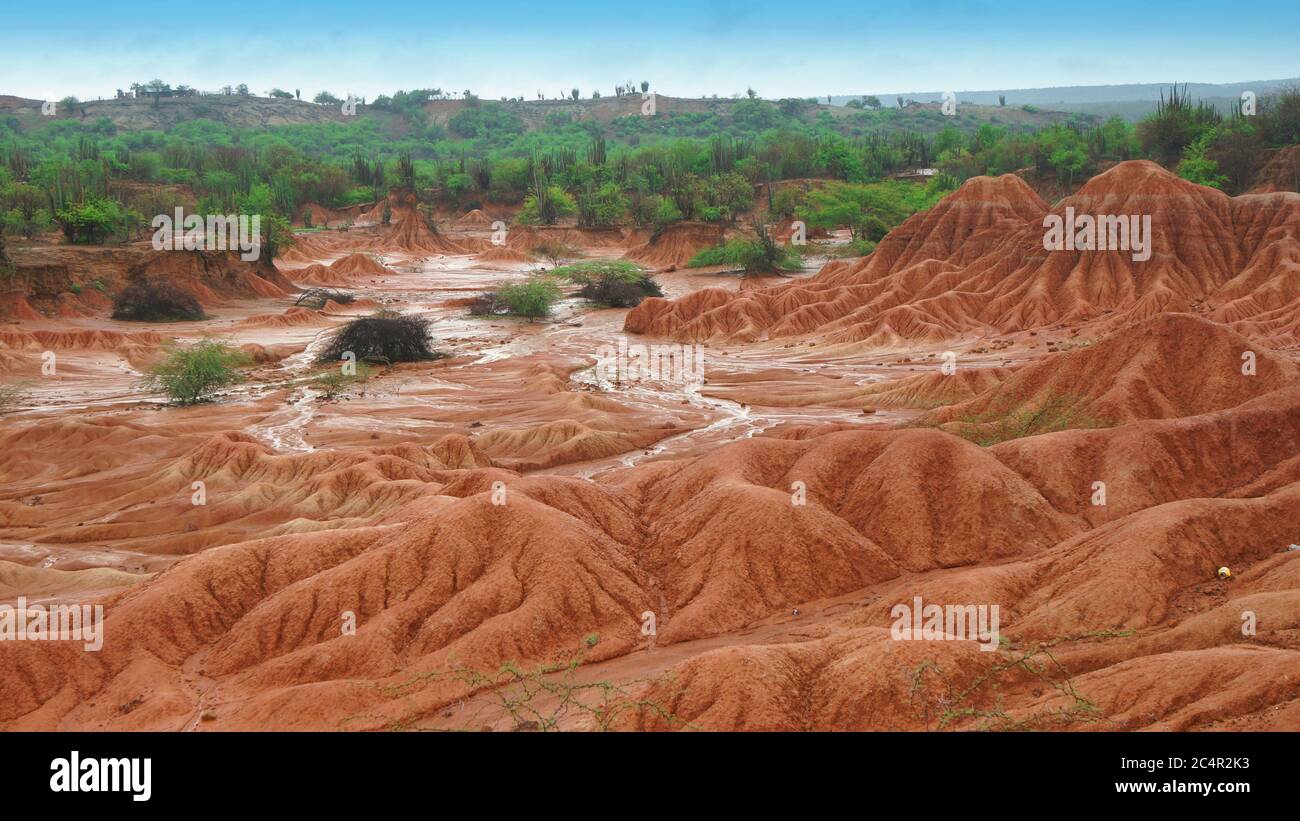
1058,413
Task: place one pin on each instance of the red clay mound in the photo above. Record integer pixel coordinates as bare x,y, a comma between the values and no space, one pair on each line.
255,492
407,232
360,265
447,563
852,680
1169,366
1280,173
16,306
675,246
471,579
410,233
315,274
345,271
300,250
322,216
132,346
561,442
51,274
528,237
503,253
209,274
976,263
474,219
290,318
932,390
1244,451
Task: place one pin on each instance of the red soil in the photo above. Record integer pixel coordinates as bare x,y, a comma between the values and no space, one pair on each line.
346,271
474,219
502,253
975,264
770,557
711,545
676,245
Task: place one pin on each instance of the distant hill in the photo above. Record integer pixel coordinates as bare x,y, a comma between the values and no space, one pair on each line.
677,116
140,114
1131,101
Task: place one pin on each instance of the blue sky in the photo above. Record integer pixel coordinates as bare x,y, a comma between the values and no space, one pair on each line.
685,48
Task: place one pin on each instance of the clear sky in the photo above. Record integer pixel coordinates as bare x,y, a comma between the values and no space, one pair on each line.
495,48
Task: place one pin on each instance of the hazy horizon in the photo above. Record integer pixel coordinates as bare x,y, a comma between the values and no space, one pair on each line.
825,47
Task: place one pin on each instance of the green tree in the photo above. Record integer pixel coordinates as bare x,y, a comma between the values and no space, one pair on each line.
605,205
533,298
547,207
1176,124
194,373
1199,168
27,216
95,220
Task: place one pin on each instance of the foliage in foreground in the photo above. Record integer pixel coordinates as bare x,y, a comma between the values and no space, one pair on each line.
944,705
548,697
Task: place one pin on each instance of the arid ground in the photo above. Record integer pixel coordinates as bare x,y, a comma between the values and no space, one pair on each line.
502,539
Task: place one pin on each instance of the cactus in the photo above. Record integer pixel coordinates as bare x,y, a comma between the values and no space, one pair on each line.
596,154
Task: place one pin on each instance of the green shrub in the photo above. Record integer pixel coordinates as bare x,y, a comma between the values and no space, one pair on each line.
1057,413
596,270
95,220
547,207
605,205
333,383
532,299
615,283
194,373
752,255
